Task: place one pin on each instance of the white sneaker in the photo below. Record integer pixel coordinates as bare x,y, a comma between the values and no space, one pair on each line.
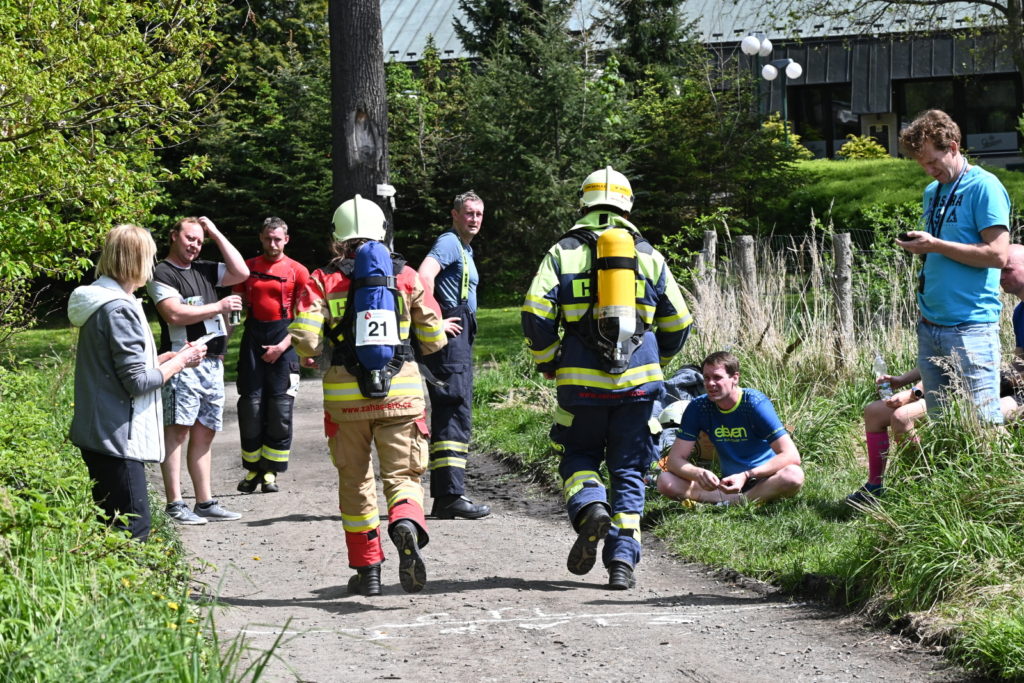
180,513
211,510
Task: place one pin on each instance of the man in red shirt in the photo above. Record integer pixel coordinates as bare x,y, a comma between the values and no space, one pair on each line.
268,368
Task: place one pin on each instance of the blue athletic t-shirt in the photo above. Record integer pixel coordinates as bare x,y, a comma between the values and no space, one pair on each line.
956,293
448,250
742,435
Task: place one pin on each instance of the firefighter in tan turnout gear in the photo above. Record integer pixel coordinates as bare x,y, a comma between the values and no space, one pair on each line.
367,402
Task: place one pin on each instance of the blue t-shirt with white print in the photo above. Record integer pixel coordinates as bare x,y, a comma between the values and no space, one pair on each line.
742,435
954,292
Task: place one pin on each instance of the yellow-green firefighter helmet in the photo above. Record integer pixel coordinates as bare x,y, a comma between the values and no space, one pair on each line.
359,218
606,187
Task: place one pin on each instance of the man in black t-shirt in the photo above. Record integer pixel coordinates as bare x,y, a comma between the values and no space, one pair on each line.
183,289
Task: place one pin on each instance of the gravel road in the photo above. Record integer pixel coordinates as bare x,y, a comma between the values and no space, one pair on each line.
499,604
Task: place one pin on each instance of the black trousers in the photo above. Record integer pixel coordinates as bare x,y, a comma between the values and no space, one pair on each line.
266,397
451,408
119,488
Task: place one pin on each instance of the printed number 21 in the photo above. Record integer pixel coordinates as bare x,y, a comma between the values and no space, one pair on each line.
377,329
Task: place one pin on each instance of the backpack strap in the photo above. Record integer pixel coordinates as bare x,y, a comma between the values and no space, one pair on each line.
587,329
376,383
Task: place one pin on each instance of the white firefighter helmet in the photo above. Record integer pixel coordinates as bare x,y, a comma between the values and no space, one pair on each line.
672,414
359,218
607,187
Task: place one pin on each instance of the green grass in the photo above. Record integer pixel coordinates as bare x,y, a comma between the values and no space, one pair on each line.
946,550
500,336
81,602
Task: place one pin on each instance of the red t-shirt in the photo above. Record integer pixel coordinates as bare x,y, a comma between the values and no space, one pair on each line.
272,287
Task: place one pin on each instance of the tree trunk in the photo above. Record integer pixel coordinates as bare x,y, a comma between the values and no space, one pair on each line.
359,113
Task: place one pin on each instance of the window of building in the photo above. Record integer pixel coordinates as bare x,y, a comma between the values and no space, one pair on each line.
985,107
822,116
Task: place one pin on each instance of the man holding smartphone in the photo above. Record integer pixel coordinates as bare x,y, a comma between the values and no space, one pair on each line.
183,289
963,246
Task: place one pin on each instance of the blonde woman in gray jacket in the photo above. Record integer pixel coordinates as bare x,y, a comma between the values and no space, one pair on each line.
118,418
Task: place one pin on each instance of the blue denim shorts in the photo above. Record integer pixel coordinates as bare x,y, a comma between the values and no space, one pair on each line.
969,352
196,395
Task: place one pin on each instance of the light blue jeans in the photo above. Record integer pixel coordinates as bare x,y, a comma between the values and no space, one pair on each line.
972,351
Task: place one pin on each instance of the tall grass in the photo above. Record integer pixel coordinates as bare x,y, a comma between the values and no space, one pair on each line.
77,601
944,551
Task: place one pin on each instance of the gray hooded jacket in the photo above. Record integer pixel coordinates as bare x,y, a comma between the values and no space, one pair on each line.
118,406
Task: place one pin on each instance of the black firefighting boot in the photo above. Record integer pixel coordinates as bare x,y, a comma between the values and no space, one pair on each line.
366,581
592,527
412,571
620,576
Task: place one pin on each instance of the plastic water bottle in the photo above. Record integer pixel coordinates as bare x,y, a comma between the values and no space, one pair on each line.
884,389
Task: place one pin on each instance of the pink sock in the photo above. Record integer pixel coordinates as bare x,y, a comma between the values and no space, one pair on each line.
878,448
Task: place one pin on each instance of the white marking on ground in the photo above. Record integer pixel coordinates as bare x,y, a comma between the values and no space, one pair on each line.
537,621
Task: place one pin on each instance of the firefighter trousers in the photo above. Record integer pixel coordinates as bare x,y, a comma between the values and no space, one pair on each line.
266,397
451,407
401,444
619,435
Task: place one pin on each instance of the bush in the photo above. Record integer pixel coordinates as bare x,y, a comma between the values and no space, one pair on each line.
851,197
862,147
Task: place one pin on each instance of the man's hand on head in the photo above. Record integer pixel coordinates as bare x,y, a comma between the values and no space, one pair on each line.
207,225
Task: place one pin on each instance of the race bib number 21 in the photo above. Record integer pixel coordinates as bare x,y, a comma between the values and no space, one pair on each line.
376,328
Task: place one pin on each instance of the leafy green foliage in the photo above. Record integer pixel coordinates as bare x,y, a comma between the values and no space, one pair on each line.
862,147
425,112
82,602
501,25
858,197
90,89
699,149
780,132
268,140
541,119
650,38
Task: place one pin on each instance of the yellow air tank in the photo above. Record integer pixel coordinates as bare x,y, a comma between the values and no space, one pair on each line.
616,286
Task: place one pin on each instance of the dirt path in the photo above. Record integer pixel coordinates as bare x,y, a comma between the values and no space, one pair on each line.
499,604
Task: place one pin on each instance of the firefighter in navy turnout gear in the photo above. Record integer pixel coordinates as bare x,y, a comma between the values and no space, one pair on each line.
367,302
449,272
607,367
268,368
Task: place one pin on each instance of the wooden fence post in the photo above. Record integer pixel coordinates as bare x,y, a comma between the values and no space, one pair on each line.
706,258
748,277
842,288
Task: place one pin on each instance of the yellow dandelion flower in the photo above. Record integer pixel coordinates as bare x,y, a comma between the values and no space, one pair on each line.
172,605
173,627
190,620
256,557
126,583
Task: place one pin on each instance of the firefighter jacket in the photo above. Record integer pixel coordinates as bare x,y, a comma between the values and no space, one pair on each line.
320,307
559,296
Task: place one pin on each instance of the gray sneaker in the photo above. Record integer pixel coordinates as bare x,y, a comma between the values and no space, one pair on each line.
212,510
180,513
